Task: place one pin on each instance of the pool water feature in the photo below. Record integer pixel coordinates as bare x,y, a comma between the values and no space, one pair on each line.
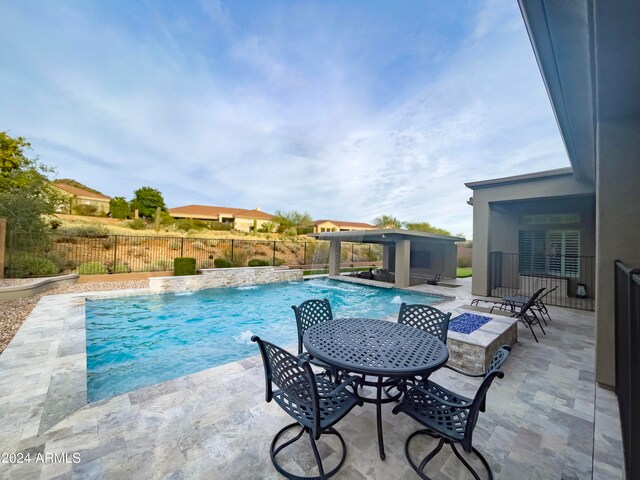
135,341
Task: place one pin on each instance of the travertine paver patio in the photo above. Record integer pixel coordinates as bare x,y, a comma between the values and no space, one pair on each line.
544,420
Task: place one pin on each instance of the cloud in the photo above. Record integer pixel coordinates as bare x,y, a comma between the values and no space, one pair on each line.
285,107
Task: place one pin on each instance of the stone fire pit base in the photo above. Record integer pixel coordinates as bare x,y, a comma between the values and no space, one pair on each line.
473,352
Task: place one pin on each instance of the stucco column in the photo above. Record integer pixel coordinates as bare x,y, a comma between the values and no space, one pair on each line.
450,260
617,227
386,252
481,233
3,234
334,257
403,256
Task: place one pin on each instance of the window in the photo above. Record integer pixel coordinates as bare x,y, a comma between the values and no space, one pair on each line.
549,252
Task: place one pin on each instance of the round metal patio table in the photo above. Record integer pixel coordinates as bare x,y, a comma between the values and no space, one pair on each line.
387,350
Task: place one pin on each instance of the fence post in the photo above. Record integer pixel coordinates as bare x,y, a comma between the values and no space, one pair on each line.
304,259
182,247
369,257
115,251
3,234
274,253
231,250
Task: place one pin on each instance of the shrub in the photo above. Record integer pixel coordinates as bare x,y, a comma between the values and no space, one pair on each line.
184,266
32,265
187,224
119,268
304,230
222,262
464,262
219,226
259,262
240,257
89,231
89,210
91,268
267,227
54,223
137,224
198,245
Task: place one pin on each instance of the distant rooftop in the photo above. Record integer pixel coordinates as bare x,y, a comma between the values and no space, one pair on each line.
80,192
340,223
214,211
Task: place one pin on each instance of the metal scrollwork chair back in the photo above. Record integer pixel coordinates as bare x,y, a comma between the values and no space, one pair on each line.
314,402
448,416
427,318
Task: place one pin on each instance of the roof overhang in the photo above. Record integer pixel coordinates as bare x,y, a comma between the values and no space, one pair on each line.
383,236
562,35
589,55
528,177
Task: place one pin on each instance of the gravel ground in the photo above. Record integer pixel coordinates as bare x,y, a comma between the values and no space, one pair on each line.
14,312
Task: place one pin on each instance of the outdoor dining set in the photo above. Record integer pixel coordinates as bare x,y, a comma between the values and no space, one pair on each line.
342,361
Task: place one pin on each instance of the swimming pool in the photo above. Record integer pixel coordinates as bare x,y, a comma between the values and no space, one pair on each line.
136,341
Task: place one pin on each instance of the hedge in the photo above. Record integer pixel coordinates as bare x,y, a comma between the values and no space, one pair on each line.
259,262
184,266
222,262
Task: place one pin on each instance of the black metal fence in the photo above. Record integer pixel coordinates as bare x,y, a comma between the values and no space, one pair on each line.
43,255
627,333
574,277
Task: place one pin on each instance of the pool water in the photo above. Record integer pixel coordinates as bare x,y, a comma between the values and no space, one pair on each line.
136,341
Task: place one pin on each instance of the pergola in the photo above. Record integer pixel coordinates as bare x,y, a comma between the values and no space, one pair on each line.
409,254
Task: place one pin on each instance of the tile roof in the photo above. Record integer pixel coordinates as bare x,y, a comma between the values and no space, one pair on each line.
213,211
338,223
80,192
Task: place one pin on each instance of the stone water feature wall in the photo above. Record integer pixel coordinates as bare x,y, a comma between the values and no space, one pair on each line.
224,277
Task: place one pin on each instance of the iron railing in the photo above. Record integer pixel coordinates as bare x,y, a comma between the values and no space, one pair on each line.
39,255
573,275
627,340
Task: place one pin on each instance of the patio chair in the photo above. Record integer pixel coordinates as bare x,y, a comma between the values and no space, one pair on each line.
427,318
315,403
527,315
448,416
539,305
309,313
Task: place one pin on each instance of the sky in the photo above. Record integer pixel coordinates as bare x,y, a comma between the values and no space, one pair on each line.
345,109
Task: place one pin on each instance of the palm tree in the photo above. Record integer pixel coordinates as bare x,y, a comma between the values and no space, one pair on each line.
387,221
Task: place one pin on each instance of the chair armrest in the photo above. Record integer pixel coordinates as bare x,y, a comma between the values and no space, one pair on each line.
463,405
353,380
466,374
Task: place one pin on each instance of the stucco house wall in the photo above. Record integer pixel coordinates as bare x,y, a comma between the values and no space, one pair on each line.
498,204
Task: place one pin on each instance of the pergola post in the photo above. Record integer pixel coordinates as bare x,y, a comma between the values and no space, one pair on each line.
386,255
334,257
403,257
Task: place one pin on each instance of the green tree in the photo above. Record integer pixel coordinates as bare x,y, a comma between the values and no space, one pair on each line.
26,195
426,227
147,200
292,218
387,221
119,207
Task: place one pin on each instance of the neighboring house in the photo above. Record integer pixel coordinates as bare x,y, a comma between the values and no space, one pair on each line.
238,218
82,202
592,208
338,226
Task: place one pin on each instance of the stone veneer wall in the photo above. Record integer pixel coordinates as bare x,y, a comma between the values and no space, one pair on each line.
224,277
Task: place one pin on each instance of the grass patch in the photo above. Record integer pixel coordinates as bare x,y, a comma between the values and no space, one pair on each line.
463,272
